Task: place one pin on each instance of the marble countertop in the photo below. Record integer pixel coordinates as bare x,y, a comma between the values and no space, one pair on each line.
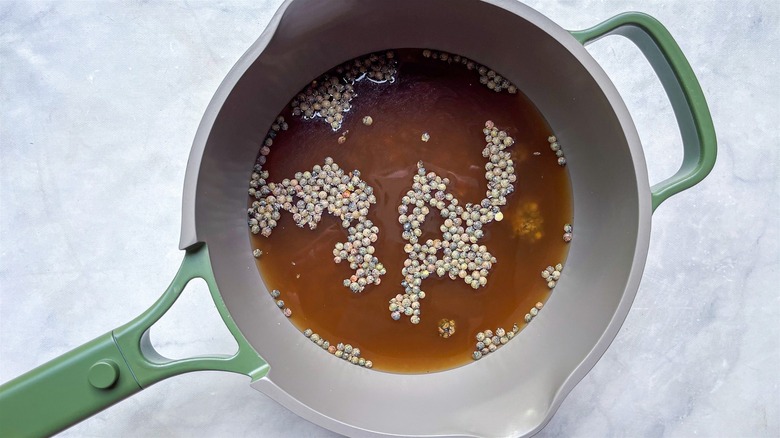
100,101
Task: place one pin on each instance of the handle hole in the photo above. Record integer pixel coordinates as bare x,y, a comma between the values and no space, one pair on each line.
647,103
192,326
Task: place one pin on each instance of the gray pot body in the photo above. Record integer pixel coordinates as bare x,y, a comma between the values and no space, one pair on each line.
512,393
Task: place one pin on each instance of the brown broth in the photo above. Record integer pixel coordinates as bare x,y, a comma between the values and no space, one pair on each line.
448,102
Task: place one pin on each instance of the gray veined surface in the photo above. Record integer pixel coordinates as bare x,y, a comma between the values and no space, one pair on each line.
100,107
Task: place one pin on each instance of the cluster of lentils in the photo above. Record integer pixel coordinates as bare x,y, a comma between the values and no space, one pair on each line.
487,77
551,275
488,342
280,303
328,97
557,149
278,125
446,328
533,312
462,256
326,188
263,220
567,233
347,352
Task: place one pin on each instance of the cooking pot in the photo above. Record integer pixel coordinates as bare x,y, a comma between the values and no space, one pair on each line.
518,389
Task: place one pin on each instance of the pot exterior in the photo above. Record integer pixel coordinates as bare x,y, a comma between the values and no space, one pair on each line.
519,389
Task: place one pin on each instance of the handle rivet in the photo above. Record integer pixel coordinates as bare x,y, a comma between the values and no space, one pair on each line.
103,374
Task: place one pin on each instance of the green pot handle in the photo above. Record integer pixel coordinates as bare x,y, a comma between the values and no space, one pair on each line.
114,366
685,94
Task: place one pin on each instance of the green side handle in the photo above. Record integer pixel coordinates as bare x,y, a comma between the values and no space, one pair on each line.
682,87
116,365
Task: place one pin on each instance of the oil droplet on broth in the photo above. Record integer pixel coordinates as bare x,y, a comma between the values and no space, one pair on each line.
411,95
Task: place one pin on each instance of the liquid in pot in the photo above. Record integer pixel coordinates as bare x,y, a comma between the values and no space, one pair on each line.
447,103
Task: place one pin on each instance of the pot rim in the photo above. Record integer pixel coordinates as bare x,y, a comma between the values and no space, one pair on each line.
189,235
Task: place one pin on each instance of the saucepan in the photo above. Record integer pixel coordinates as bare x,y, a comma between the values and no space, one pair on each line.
518,389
